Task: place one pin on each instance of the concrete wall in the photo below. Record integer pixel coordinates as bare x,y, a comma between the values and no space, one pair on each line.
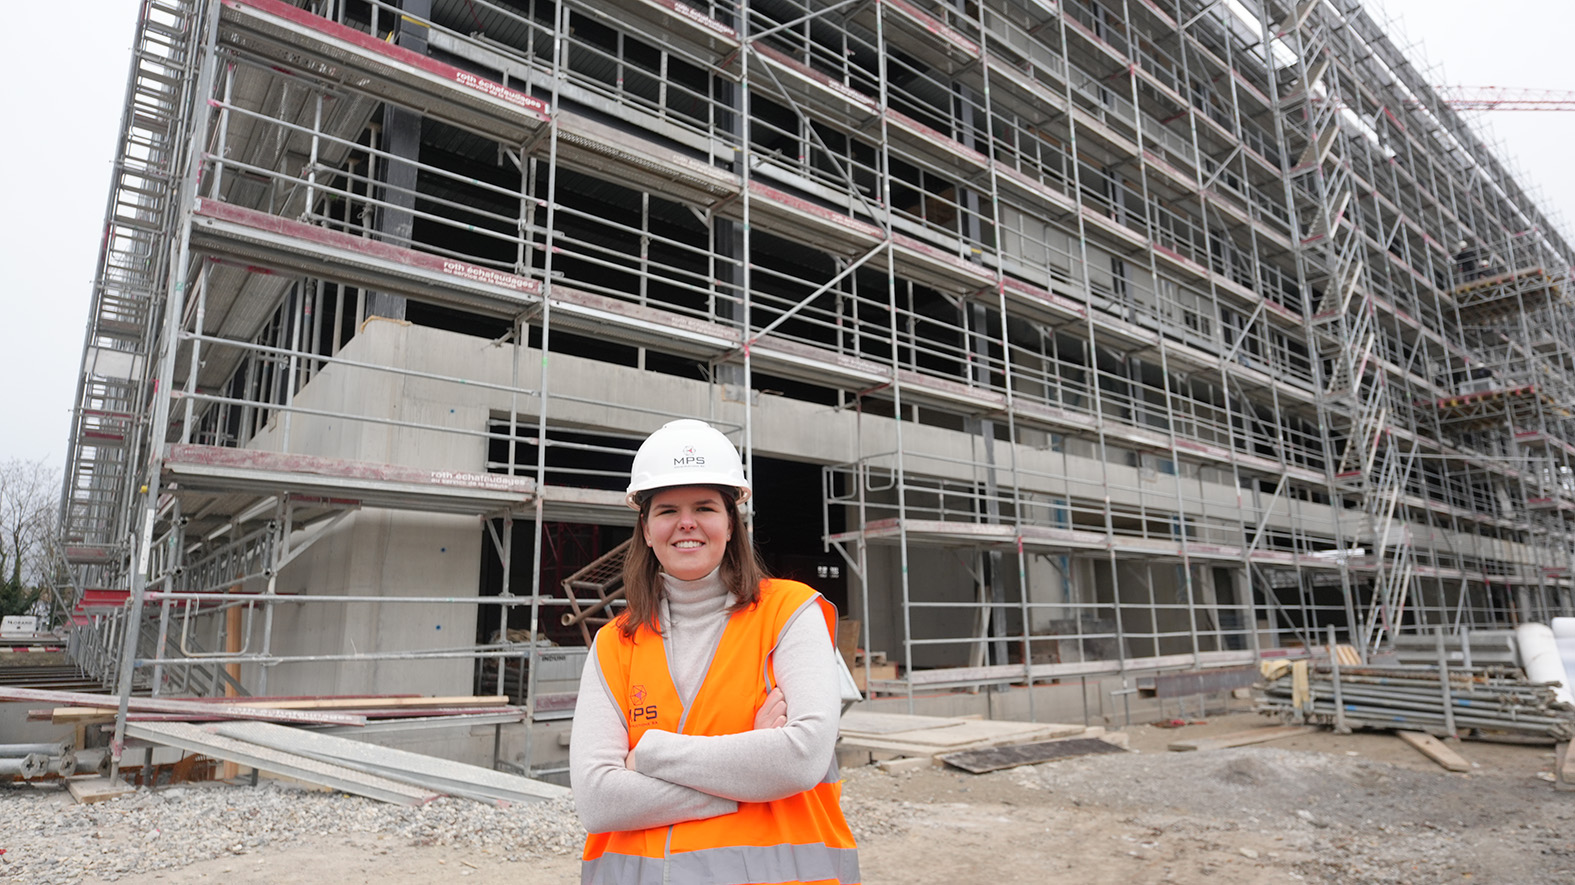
383,553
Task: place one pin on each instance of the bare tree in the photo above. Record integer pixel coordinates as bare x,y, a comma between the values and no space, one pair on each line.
28,492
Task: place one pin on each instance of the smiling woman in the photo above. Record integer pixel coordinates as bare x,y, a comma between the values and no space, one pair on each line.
688,528
704,735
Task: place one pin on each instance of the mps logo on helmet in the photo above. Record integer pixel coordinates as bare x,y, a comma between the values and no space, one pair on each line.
688,456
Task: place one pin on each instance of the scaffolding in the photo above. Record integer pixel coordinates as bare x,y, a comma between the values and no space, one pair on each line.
1117,336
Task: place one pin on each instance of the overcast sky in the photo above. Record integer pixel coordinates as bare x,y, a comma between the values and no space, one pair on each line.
67,73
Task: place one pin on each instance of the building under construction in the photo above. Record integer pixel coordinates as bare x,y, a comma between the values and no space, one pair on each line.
1066,342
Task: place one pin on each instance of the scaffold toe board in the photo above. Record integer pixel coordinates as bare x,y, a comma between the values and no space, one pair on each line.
217,468
302,41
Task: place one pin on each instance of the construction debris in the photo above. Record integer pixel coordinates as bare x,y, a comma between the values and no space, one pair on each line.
1011,756
923,741
906,764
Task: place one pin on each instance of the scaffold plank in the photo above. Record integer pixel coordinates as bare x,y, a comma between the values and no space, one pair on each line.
806,222
204,740
936,146
641,325
806,85
218,468
300,40
416,769
279,243
1040,305
1035,101
673,24
607,152
917,32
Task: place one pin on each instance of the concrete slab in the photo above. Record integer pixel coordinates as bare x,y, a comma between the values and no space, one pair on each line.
965,735
862,723
983,731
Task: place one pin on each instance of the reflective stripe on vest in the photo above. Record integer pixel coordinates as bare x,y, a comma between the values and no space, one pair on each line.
801,838
731,865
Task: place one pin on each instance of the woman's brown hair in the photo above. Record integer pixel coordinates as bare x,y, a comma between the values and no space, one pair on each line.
741,570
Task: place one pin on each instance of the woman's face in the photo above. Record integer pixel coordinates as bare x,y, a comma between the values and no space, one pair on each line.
688,528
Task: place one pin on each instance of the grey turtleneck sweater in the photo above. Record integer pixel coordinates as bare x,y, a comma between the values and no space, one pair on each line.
687,777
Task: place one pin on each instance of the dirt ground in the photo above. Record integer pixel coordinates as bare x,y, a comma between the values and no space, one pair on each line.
1322,808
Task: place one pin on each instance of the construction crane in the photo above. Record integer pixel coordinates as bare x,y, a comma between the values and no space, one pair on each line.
1507,98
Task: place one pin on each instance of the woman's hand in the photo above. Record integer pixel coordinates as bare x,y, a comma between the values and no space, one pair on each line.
772,714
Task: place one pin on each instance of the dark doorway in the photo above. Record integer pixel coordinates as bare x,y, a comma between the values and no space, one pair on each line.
788,527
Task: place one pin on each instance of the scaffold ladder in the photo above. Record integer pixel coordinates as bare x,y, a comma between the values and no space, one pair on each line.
1370,464
109,432
1393,555
604,577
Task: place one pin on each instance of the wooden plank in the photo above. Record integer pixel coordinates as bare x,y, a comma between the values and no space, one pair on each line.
997,758
81,712
1434,749
163,705
1563,767
87,790
1242,738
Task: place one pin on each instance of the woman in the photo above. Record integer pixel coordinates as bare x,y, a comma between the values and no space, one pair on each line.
703,750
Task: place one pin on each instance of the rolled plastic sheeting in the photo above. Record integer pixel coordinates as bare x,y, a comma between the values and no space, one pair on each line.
1564,639
1539,657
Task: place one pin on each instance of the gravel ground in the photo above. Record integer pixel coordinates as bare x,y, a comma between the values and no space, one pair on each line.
50,839
1319,809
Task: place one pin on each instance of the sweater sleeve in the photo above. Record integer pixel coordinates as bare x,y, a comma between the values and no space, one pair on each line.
608,796
772,763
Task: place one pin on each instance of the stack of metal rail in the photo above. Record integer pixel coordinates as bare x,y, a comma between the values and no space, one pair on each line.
29,761
1484,702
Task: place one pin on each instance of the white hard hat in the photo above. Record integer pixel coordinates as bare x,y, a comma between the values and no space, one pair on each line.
686,452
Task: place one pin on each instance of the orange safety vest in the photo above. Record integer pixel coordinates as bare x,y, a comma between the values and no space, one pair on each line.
798,839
